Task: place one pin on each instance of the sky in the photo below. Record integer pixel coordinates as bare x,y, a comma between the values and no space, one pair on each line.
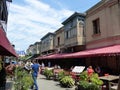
30,20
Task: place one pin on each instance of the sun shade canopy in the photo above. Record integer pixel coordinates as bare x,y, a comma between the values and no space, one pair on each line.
6,48
105,51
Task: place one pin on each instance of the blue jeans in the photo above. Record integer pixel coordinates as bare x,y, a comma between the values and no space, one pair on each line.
35,82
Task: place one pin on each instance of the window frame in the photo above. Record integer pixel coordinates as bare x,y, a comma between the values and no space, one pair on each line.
96,26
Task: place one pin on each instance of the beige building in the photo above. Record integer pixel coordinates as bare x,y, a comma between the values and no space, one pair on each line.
103,24
30,50
59,40
74,32
37,48
34,48
103,31
47,43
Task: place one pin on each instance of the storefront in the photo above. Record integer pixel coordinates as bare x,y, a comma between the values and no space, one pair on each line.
106,57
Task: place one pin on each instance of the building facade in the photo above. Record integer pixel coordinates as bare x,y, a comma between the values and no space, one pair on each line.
47,43
74,35
3,14
59,40
30,50
103,24
34,49
6,47
103,30
37,47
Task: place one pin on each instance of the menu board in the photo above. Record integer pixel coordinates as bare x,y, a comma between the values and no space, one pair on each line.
78,69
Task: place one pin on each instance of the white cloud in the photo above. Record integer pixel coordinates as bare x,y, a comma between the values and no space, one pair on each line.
29,22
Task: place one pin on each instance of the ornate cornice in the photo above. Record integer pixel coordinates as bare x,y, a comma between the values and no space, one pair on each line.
100,6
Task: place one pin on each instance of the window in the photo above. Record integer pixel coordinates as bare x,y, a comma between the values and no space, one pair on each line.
58,39
69,33
96,26
66,34
71,23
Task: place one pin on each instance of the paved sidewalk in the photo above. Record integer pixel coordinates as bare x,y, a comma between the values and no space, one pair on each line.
9,85
43,84
50,84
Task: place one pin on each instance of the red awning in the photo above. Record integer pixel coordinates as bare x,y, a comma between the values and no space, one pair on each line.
105,51
5,47
52,56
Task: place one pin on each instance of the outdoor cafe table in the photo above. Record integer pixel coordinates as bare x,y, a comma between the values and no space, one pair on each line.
108,79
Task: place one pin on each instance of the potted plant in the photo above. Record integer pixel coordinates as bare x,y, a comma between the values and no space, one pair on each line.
83,85
61,75
67,81
89,83
48,73
95,79
23,80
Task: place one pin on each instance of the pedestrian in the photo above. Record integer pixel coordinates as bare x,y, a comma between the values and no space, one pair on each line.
28,66
35,70
49,64
10,70
43,65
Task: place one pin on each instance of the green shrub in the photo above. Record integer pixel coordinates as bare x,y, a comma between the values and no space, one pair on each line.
23,80
84,85
61,75
93,86
84,76
95,79
45,71
89,83
67,81
48,73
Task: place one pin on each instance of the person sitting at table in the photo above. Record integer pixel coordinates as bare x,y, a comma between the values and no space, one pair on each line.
98,70
90,71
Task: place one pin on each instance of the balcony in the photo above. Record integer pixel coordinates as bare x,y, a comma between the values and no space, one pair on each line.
3,25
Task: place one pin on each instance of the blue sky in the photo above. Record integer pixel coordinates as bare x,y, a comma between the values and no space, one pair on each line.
29,20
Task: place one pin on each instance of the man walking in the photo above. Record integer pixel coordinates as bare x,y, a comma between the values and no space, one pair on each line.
35,68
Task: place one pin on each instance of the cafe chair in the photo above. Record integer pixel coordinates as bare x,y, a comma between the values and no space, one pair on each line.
114,86
118,84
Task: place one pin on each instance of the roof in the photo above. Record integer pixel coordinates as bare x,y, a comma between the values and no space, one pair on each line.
101,3
59,30
96,5
73,16
47,35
